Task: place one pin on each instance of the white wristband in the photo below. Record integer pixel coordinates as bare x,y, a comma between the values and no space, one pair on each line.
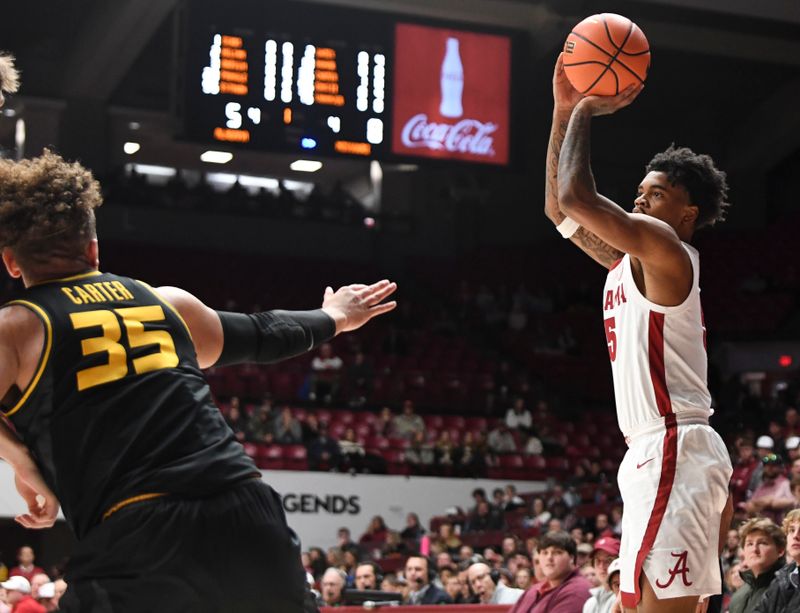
568,227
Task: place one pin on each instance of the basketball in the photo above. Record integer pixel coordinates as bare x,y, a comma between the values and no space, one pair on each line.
604,54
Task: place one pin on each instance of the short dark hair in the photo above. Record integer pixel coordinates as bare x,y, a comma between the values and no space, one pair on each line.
697,173
559,539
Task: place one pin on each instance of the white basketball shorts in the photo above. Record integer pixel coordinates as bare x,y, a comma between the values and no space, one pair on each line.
674,486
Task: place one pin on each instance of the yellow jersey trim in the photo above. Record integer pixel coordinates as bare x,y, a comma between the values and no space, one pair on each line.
83,275
48,345
168,304
128,501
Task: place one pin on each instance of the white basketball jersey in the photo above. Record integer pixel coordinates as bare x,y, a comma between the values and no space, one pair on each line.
658,354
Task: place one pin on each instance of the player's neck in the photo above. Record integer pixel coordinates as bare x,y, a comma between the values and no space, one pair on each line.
38,277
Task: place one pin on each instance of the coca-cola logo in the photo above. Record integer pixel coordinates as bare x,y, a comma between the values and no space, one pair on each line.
466,136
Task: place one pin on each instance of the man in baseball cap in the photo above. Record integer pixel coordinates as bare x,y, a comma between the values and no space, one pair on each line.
604,555
18,589
793,448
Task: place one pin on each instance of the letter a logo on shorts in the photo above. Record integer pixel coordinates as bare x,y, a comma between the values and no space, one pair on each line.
680,568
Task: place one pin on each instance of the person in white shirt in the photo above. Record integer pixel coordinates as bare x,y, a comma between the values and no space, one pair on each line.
489,587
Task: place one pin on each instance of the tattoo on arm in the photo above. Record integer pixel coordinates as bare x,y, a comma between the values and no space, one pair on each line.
598,249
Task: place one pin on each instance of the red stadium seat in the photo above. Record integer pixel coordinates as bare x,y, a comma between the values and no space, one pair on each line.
270,457
296,457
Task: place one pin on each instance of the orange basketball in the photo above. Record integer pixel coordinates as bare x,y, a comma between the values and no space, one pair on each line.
604,54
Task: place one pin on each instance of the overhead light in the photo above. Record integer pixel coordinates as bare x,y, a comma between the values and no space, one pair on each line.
305,165
156,171
131,148
216,157
134,125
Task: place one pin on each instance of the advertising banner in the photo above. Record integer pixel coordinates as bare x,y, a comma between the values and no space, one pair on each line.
451,94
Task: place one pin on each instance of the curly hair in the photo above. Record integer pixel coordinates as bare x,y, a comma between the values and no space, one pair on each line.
46,208
696,172
9,76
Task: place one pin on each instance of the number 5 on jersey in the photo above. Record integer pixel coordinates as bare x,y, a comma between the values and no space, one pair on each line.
611,337
116,368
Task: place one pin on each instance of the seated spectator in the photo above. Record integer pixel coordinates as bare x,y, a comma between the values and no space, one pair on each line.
413,530
394,546
533,446
446,540
288,430
731,554
745,465
783,594
793,448
557,504
310,429
333,583
764,446
484,518
237,421
455,589
360,378
18,595
397,584
325,373
444,449
420,454
367,574
352,452
25,564
38,580
376,531
518,417
470,458
489,588
563,589
261,425
601,526
795,485
501,440
774,496
764,545
47,597
323,452
408,423
539,514
604,553
523,578
511,500
383,425
421,589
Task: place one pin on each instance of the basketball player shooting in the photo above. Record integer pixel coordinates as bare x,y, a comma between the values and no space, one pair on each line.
674,477
113,418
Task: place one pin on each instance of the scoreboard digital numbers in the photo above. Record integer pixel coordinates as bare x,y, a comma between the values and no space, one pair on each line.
299,77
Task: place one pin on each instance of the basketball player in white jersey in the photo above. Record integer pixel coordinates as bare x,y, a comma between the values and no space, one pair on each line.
674,478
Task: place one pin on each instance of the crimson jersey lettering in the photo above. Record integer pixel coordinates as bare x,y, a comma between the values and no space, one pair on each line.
634,327
681,568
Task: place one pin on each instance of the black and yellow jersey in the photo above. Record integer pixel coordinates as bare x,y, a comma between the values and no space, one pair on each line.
118,409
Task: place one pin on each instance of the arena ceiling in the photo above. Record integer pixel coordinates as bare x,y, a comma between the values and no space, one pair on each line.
743,55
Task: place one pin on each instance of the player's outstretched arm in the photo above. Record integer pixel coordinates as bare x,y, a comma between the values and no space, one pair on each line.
565,98
651,240
228,338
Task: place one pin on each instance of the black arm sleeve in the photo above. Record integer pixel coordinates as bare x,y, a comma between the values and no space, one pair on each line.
272,336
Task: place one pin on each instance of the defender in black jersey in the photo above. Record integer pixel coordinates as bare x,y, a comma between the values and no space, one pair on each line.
101,380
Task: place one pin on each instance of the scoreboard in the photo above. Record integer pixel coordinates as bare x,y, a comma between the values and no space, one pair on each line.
299,77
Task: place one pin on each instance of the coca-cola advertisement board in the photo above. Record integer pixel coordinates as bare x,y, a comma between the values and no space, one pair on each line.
451,94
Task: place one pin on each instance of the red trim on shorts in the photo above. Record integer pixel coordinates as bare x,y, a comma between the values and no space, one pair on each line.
670,452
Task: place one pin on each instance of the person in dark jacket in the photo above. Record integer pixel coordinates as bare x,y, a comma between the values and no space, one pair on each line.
764,544
420,577
783,594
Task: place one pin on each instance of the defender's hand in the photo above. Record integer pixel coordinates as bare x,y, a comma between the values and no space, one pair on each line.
42,503
354,305
565,96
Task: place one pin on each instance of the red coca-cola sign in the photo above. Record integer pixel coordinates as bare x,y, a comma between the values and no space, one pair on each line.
451,94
